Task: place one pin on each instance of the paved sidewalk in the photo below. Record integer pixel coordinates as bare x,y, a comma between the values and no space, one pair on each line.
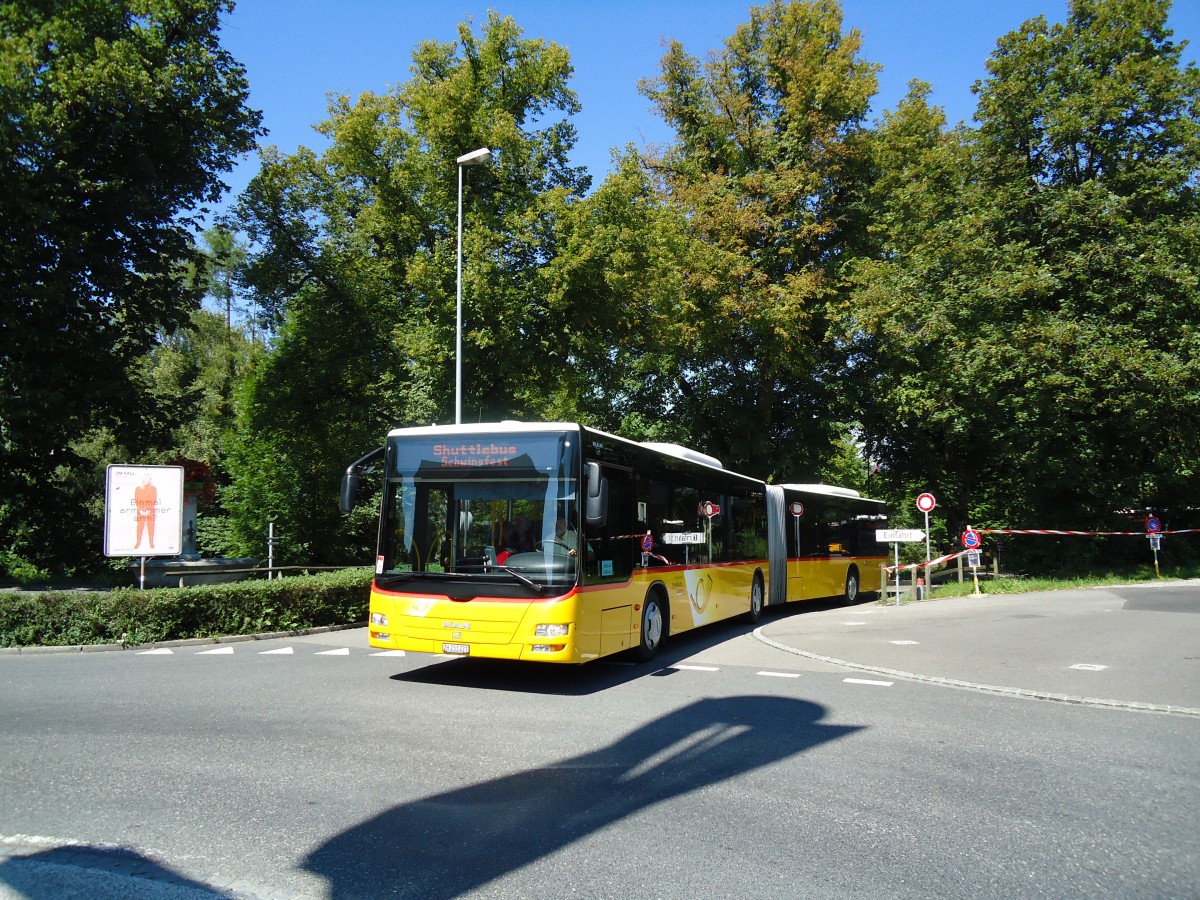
1134,646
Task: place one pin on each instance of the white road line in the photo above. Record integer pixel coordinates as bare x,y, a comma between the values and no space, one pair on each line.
282,651
868,681
904,643
780,674
1089,667
695,668
854,623
341,651
389,653
157,651
219,651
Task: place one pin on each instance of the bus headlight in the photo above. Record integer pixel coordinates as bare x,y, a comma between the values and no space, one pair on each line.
551,630
378,619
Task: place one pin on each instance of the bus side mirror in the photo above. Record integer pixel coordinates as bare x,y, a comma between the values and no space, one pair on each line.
349,496
597,497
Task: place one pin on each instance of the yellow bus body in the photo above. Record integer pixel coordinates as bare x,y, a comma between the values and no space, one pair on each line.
601,619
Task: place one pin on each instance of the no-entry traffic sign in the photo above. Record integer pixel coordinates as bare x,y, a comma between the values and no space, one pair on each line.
926,503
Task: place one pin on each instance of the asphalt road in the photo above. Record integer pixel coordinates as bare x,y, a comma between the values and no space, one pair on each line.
944,749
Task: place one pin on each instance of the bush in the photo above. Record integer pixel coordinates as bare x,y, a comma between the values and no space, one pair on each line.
66,618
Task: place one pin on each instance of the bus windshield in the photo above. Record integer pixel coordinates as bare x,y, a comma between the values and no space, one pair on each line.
503,508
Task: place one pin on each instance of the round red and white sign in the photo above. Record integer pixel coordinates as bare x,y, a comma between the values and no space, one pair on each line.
926,503
797,508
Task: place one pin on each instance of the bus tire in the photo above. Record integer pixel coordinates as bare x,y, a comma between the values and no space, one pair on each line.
653,630
852,585
757,599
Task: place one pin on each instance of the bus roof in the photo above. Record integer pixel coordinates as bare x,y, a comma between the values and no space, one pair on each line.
828,490
487,428
684,453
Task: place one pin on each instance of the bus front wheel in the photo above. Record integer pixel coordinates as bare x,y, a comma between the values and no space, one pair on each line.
654,627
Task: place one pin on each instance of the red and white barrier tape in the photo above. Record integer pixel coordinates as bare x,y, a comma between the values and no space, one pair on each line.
942,559
921,565
1084,533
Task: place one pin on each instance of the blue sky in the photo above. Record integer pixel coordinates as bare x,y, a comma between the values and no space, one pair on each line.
298,51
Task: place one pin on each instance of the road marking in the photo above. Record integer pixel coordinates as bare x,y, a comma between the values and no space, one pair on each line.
282,651
902,643
697,668
221,651
1089,667
341,651
868,681
389,653
780,674
854,623
157,651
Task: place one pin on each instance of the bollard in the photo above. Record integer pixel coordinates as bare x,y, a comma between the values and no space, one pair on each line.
920,588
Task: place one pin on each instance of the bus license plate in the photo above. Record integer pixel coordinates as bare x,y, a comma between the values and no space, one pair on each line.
459,649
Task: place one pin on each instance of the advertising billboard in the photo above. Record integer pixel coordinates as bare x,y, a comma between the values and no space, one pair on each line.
143,511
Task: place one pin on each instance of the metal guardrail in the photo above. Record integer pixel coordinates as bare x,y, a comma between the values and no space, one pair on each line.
269,571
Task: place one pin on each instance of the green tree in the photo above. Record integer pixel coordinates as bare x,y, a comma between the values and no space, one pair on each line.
1028,332
765,168
357,269
221,275
117,121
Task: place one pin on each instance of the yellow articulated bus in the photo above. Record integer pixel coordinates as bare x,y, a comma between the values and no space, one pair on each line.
558,543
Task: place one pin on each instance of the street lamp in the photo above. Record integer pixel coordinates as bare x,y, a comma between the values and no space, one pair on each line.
474,158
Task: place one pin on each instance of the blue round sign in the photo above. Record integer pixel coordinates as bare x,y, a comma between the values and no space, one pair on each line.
971,539
1153,525
647,542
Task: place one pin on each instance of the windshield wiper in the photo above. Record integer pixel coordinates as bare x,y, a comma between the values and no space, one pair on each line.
392,577
524,579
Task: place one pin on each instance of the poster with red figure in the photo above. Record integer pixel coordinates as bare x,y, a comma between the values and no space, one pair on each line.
143,511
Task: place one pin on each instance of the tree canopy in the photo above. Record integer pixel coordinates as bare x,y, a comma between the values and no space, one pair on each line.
1026,334
117,122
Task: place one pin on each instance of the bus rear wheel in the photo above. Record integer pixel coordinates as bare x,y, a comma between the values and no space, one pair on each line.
654,627
757,599
852,585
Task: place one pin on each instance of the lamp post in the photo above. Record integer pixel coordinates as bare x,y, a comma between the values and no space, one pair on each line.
474,158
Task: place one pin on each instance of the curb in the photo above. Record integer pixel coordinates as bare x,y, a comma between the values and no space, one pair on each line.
182,642
1022,693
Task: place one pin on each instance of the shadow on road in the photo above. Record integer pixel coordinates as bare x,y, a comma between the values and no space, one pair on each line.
96,872
450,843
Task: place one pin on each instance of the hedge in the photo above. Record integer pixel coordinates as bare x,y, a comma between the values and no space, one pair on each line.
132,616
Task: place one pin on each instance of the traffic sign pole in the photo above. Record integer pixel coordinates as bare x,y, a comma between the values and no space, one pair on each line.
972,541
896,548
925,503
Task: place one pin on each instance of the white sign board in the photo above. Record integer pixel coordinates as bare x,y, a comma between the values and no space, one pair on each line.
143,511
683,537
899,535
